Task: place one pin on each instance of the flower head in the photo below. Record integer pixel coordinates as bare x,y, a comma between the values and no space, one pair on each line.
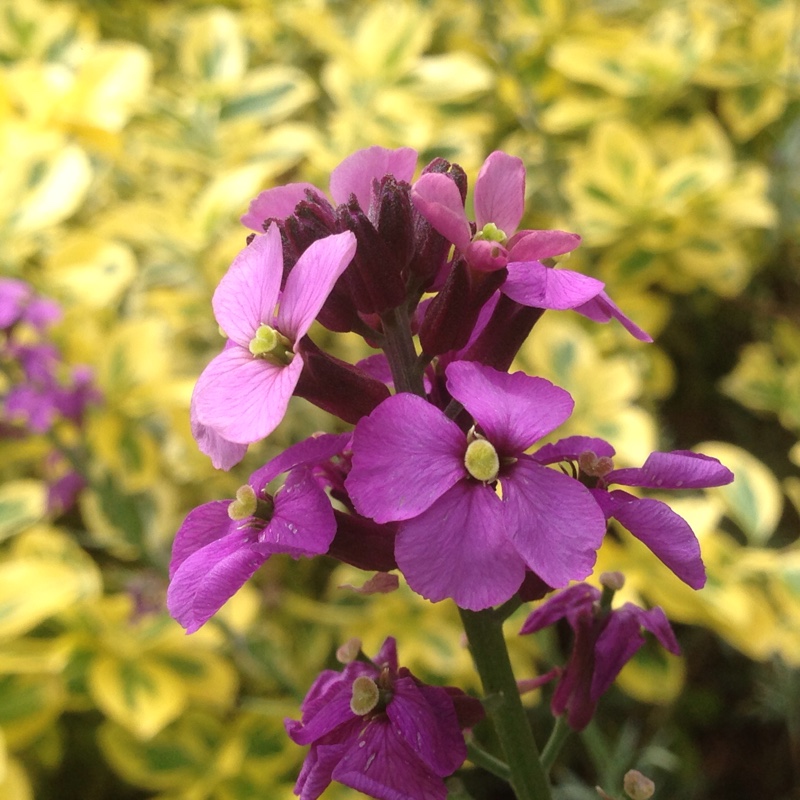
376,728
651,521
221,544
242,395
605,640
457,537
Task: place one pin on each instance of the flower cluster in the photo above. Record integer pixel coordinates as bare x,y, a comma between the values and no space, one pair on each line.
37,390
436,479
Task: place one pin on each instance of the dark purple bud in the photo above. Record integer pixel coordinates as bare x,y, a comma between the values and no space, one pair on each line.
363,543
394,219
336,386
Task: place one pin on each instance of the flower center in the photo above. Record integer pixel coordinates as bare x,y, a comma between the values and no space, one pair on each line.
249,504
365,695
491,233
481,460
272,346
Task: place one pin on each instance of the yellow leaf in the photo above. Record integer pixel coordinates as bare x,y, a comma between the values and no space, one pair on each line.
212,47
269,95
139,694
22,502
653,676
14,783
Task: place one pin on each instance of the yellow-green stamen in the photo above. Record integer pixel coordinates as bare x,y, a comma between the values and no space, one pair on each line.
248,504
482,461
491,233
272,346
365,695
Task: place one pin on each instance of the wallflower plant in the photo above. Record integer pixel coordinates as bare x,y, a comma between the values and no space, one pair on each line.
436,479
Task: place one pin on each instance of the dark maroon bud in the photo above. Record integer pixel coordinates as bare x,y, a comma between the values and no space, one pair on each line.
394,219
336,386
314,218
452,314
533,588
374,275
363,543
504,334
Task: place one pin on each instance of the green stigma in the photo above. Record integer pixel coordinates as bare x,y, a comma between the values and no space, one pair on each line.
272,346
491,233
482,461
365,695
244,505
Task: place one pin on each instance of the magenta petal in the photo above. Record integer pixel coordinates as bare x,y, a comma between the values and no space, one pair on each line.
314,450
617,644
381,765
666,533
486,256
553,521
536,245
602,309
680,469
223,454
303,523
247,294
437,198
571,447
458,548
531,283
500,192
203,525
326,716
244,398
425,718
513,410
310,282
211,576
406,454
568,603
355,174
277,203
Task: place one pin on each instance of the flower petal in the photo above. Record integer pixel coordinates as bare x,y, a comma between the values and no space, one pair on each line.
248,292
437,198
666,533
500,192
244,398
536,245
310,282
571,447
531,283
223,454
458,548
602,309
619,641
512,410
203,525
553,521
355,174
566,604
317,449
679,469
406,454
277,203
211,576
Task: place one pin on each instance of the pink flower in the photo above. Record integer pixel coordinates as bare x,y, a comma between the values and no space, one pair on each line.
242,395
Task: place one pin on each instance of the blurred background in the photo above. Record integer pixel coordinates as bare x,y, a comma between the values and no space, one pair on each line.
132,137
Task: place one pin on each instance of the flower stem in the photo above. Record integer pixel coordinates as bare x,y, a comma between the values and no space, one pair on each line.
558,736
480,758
400,352
484,631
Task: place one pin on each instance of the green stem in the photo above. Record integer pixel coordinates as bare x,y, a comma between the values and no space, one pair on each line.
480,758
484,631
400,352
558,736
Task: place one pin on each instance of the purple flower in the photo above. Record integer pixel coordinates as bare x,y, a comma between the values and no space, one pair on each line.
499,207
354,175
651,521
379,730
18,303
243,393
221,544
457,536
605,641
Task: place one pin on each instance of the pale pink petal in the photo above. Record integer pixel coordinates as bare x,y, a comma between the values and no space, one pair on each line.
500,192
355,174
512,410
248,292
244,398
437,198
406,454
223,454
531,283
277,203
486,256
553,521
310,282
536,245
458,548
